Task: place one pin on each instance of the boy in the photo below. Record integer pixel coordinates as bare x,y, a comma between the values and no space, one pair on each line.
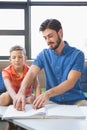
13,76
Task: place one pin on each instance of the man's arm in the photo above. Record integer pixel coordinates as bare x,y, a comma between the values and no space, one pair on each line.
36,91
20,98
36,86
68,84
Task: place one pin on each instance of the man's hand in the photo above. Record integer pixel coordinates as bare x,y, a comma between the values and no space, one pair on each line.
19,101
40,101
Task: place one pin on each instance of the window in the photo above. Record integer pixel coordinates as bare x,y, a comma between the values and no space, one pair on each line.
8,41
13,26
74,22
11,19
58,0
15,0
20,21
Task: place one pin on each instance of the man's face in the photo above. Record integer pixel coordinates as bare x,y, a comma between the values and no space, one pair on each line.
52,38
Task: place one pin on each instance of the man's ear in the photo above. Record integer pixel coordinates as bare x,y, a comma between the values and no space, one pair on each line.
60,32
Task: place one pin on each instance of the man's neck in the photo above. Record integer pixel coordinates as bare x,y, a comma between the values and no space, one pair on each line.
60,48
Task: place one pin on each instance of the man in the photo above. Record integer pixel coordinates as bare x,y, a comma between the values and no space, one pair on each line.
62,64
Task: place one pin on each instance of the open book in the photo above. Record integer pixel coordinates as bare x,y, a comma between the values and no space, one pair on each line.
48,111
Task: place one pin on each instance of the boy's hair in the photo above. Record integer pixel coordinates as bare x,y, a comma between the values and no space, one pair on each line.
17,47
51,24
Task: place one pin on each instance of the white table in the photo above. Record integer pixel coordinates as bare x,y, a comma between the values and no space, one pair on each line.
51,124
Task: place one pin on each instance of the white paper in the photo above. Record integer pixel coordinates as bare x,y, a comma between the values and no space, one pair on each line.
48,111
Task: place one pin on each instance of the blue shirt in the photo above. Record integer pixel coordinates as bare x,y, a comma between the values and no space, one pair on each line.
56,69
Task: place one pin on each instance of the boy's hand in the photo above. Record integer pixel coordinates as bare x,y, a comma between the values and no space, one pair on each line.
19,101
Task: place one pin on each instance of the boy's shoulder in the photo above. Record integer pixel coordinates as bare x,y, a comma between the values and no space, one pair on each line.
8,67
26,66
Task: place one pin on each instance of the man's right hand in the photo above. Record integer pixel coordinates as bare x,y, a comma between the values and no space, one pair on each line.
19,101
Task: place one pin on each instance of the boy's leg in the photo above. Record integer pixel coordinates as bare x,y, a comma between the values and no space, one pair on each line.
81,103
5,99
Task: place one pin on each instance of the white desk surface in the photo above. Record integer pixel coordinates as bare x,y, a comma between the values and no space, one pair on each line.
51,124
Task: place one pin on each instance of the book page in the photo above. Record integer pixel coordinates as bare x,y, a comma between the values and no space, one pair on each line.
64,111
50,110
29,112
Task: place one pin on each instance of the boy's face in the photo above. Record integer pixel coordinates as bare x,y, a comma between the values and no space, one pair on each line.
17,59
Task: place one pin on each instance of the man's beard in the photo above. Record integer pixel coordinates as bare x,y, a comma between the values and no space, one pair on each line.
57,44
